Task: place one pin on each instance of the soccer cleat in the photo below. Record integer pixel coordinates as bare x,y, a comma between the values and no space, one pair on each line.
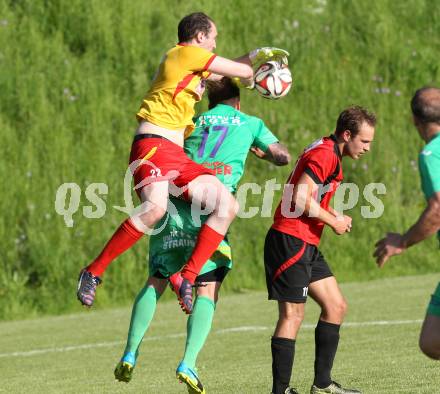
87,284
189,376
334,388
124,369
291,390
183,289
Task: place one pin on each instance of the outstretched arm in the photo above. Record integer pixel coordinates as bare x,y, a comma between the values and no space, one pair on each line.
242,67
427,225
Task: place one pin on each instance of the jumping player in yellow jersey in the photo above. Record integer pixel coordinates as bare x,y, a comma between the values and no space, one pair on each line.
158,162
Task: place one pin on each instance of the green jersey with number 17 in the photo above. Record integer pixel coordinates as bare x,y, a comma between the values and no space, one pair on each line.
221,141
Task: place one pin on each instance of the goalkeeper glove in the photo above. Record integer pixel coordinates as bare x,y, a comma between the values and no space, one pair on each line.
262,55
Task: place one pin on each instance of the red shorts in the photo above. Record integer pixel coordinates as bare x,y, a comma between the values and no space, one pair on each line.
158,159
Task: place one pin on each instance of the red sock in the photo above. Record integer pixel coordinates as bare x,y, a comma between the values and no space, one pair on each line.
207,242
123,238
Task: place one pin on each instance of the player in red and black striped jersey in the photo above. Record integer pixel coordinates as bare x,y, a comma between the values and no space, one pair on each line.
295,268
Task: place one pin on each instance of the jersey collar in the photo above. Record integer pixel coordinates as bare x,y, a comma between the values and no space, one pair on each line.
335,146
434,137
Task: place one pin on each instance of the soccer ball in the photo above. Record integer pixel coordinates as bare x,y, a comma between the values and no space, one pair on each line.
272,81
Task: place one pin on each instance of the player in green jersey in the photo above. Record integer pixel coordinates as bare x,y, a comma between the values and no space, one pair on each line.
425,107
221,141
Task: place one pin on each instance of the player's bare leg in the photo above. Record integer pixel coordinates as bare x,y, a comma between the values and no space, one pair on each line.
327,294
429,341
212,197
154,197
290,317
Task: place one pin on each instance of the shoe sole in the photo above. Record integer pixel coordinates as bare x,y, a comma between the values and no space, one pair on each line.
180,299
78,286
121,377
186,379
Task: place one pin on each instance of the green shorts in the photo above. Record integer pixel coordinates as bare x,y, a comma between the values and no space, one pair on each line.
434,305
165,262
171,247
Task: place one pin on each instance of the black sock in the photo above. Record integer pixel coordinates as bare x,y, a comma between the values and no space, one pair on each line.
326,344
283,352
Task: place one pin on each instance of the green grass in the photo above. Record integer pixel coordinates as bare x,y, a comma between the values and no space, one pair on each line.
73,73
378,358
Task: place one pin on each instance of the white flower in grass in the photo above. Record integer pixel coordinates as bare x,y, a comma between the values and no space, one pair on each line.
4,22
365,167
295,24
47,216
398,93
394,169
66,91
29,174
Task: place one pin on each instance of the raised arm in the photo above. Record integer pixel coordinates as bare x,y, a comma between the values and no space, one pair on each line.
242,67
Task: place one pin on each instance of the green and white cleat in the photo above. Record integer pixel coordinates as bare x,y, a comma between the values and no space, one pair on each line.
334,388
124,369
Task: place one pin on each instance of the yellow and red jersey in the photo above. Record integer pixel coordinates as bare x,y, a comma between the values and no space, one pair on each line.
176,88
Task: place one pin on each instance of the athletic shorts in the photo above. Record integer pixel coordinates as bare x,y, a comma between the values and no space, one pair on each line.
162,160
164,263
291,265
434,305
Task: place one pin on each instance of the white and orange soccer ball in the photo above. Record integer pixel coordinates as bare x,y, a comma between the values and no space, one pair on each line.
273,81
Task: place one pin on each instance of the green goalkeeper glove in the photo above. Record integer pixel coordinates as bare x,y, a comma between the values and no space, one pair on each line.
262,55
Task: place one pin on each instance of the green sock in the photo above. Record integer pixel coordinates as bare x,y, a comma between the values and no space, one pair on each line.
198,327
143,311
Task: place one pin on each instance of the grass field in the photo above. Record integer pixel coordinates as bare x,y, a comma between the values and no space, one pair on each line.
77,353
73,73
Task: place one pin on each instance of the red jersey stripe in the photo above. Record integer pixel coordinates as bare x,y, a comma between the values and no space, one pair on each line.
211,59
289,262
184,83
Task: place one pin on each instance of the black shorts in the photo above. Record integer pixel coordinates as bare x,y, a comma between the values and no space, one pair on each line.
291,265
216,275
